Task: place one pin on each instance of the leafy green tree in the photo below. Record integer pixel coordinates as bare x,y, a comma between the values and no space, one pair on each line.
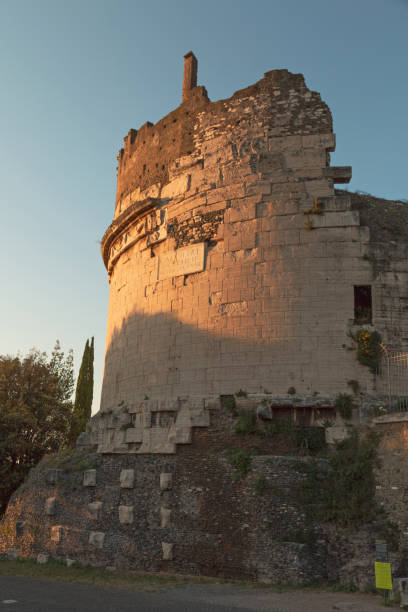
83,393
35,412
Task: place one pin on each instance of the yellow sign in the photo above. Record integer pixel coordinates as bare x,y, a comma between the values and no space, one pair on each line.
383,576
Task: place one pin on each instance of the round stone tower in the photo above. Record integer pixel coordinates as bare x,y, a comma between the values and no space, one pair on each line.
244,289
232,263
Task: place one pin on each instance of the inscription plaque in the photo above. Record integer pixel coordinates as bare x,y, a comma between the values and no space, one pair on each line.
185,260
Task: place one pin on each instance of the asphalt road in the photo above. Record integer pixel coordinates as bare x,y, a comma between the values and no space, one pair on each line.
22,594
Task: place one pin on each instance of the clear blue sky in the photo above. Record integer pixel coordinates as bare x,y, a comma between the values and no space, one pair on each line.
76,75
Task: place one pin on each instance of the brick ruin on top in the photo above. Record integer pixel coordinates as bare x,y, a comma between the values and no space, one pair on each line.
238,279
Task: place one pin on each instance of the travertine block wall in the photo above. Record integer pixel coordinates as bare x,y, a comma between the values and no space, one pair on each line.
235,270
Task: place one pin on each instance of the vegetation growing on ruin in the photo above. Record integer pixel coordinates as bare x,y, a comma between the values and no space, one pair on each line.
68,460
316,209
241,393
240,459
308,224
344,405
246,422
125,426
368,348
345,493
228,402
302,440
306,440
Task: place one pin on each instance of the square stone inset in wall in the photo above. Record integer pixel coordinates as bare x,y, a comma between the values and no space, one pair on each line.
20,525
51,506
52,476
96,538
165,517
89,478
167,549
126,515
127,478
95,509
56,533
12,553
166,481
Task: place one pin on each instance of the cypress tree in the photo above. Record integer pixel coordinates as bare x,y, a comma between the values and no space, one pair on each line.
83,394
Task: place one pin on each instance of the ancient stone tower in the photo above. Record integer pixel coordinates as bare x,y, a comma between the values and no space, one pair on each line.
233,265
244,290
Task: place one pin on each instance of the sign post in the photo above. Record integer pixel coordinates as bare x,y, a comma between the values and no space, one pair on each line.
383,579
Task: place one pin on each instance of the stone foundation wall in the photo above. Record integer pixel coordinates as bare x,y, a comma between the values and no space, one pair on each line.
184,514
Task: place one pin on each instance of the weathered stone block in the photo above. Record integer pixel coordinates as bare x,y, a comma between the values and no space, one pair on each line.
52,476
12,553
166,481
95,509
167,549
337,433
126,515
134,434
155,440
96,539
176,187
69,562
179,435
56,533
89,478
165,517
50,506
127,478
263,411
402,586
42,558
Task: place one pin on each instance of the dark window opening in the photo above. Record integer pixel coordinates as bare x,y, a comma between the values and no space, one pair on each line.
363,309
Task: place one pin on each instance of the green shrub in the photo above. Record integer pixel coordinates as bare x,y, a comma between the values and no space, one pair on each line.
311,439
368,348
291,391
240,459
241,393
74,461
246,423
228,402
344,405
345,493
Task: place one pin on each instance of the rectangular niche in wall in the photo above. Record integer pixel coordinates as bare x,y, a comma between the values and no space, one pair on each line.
363,309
